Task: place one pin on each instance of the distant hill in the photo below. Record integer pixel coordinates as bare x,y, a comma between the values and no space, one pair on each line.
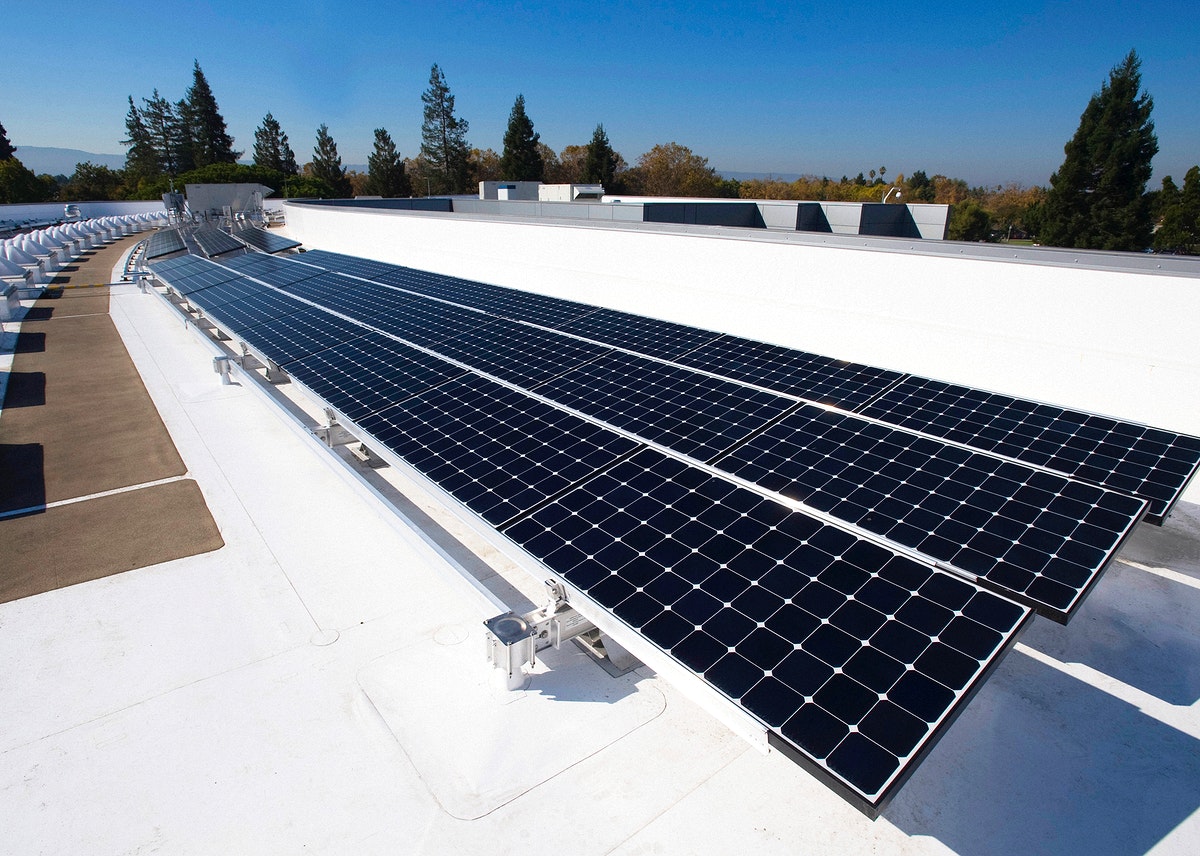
46,159
747,176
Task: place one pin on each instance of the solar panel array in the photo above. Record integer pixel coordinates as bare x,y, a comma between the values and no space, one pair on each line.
163,243
213,242
845,582
268,242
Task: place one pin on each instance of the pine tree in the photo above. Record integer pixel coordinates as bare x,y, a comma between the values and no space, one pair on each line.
163,126
141,161
327,165
444,137
600,162
7,150
1179,231
209,141
271,147
521,160
385,169
1097,198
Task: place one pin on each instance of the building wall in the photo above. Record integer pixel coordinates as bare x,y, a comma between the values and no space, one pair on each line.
1116,342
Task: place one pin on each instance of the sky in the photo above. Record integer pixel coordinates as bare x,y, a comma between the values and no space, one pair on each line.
986,92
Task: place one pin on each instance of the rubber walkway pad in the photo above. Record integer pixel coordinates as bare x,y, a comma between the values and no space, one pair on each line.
100,537
75,393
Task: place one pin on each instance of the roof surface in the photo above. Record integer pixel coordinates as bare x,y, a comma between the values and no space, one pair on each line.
319,684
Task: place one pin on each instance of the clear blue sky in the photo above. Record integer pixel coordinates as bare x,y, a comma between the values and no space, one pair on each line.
988,92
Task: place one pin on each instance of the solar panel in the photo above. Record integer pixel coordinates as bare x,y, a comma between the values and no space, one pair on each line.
1037,537
341,263
856,659
276,271
164,242
1146,462
662,339
518,353
678,408
214,242
268,242
189,274
299,334
367,374
497,451
810,376
244,304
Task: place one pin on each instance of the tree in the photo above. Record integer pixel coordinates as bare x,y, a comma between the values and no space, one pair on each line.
569,165
521,160
327,164
93,182
271,147
19,184
166,134
1097,197
208,140
385,169
7,150
969,222
919,188
444,137
673,170
141,161
601,162
1179,231
483,165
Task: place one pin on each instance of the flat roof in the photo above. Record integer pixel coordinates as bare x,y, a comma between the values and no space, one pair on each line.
319,683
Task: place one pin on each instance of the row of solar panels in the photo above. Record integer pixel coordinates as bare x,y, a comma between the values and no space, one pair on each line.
214,242
839,645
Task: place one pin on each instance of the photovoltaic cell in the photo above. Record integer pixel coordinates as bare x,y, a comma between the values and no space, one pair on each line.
164,242
662,339
299,334
188,274
370,373
1035,536
1146,462
214,242
675,407
518,353
855,658
250,309
341,263
498,451
810,376
268,242
269,269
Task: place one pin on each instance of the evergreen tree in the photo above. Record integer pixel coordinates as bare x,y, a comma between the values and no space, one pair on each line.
521,160
163,126
271,148
327,165
600,163
1179,231
385,169
141,161
208,139
1097,197
7,150
444,137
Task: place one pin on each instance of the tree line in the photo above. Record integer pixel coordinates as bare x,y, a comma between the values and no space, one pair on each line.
1097,199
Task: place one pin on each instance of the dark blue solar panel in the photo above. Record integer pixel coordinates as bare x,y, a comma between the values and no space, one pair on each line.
809,376
650,336
675,407
189,274
164,242
518,353
1147,462
299,334
854,657
268,242
341,263
249,309
497,451
276,271
214,242
1034,536
367,374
